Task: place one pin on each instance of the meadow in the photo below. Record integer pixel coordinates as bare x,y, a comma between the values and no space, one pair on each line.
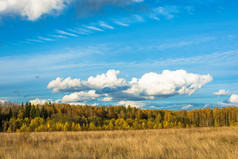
180,143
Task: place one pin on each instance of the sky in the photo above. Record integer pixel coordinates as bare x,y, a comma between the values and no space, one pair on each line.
151,54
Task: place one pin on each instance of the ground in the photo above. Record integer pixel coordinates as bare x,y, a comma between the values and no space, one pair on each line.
162,143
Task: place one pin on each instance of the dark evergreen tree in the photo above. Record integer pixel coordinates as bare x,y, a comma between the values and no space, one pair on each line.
37,114
23,110
43,113
27,109
33,112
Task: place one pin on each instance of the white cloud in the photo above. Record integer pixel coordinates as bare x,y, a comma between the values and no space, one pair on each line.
187,106
129,20
76,103
156,18
221,92
121,23
67,84
214,59
233,98
149,86
81,31
80,96
104,82
45,39
153,107
105,25
107,99
132,104
225,104
32,9
40,101
94,28
3,101
34,40
167,84
110,79
168,12
66,33
137,1
139,18
58,36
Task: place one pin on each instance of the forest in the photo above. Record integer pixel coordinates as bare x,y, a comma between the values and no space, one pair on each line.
64,117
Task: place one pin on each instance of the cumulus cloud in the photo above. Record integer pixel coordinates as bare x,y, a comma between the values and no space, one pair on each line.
233,98
39,101
3,101
108,87
80,96
169,83
76,103
32,9
103,83
187,107
66,85
108,80
107,99
221,92
132,104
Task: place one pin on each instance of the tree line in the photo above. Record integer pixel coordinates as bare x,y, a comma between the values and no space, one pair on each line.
64,117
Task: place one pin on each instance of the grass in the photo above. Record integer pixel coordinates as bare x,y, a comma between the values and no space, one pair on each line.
138,144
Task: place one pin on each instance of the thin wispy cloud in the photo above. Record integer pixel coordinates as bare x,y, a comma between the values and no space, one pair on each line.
34,40
132,19
66,33
85,30
156,18
59,36
213,59
121,23
24,42
168,12
139,18
105,25
179,44
45,39
80,31
94,28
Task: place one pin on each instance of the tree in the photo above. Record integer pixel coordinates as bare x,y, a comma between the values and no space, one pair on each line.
43,113
10,114
37,113
64,117
33,112
27,109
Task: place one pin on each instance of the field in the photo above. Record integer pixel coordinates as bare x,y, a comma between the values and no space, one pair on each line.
162,143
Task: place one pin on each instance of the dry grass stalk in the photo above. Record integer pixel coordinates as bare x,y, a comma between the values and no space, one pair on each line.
138,144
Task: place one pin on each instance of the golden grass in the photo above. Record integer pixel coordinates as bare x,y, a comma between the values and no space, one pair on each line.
166,143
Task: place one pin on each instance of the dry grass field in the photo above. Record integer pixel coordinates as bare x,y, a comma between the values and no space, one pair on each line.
166,143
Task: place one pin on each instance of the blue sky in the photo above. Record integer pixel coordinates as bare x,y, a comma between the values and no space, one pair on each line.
114,42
